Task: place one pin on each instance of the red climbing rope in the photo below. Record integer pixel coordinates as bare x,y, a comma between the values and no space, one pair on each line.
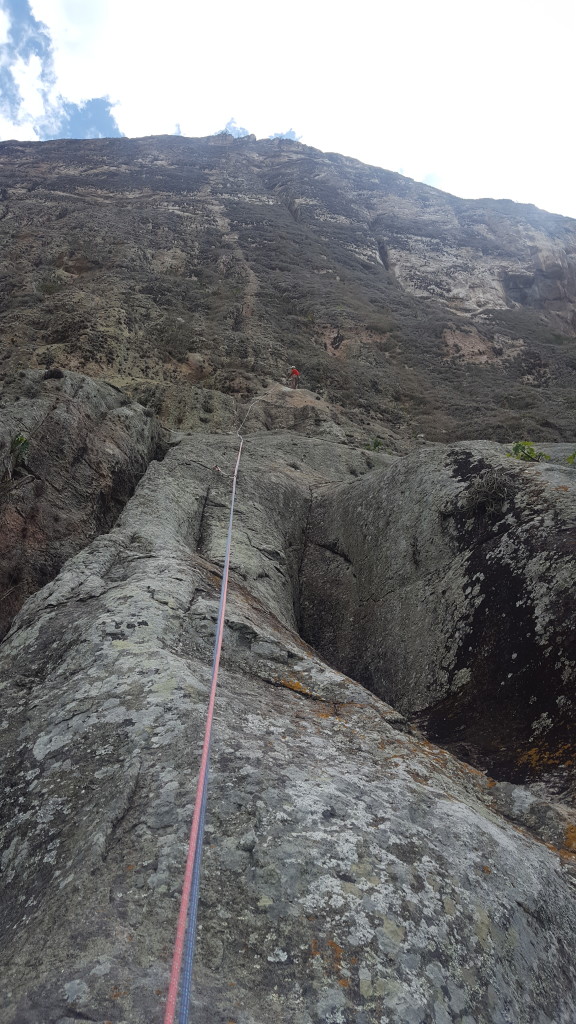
184,945
191,876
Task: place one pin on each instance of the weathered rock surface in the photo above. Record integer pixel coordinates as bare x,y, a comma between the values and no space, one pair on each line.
354,873
170,264
87,447
447,584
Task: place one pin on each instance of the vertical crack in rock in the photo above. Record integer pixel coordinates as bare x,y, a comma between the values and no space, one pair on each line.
200,537
122,806
301,558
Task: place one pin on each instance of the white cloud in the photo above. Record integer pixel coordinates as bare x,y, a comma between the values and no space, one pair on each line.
28,78
4,27
478,94
21,132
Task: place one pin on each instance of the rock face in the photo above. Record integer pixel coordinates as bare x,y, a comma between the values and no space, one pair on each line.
353,872
446,583
387,593
86,447
193,272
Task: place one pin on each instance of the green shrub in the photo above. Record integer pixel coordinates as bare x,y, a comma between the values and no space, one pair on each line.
19,446
19,450
526,452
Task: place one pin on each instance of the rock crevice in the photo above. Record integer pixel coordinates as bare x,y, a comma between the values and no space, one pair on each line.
86,447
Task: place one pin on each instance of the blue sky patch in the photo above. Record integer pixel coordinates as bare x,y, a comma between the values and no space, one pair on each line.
29,40
90,120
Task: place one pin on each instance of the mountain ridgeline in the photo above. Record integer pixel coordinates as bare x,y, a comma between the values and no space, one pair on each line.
192,272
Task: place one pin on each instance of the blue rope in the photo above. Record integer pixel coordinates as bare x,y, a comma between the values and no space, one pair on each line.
190,946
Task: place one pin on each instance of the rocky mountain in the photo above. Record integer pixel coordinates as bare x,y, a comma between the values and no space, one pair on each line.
192,271
391,834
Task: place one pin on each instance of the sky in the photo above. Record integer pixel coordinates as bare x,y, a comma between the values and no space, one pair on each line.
475,97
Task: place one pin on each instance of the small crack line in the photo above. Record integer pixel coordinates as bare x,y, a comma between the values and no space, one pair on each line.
200,536
392,718
305,543
307,694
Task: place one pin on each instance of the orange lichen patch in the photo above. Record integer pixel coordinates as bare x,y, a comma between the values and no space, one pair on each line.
130,867
486,869
337,954
490,783
295,685
561,487
570,838
332,955
565,855
416,777
118,993
543,757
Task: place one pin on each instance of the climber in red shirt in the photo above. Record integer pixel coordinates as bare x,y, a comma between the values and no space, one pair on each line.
294,377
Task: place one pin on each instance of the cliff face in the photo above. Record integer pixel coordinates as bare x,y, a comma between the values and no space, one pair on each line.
353,872
191,271
381,601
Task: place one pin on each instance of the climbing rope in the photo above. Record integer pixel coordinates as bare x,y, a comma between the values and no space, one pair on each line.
260,398
186,927
185,942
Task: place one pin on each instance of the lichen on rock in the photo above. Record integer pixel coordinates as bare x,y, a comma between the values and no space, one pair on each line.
352,870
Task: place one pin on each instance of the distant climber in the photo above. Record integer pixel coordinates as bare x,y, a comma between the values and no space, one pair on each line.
294,377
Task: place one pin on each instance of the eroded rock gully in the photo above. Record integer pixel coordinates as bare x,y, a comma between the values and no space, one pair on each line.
446,584
354,872
88,446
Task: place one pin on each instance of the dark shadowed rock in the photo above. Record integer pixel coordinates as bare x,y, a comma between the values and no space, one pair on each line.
447,584
84,447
